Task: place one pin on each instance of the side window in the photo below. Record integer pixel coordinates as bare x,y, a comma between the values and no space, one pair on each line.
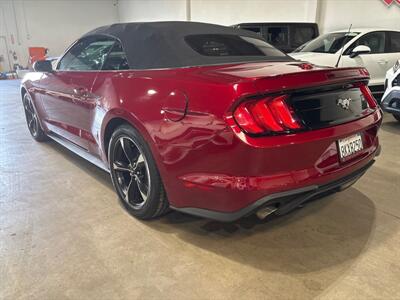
394,42
256,29
231,45
116,59
278,36
301,34
375,40
86,55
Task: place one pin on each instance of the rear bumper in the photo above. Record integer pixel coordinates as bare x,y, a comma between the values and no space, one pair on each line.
285,201
391,102
239,171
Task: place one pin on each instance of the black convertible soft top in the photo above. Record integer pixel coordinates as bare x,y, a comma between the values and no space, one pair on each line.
155,45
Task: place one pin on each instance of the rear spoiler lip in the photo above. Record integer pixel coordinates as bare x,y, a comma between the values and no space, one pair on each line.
298,80
277,90
288,90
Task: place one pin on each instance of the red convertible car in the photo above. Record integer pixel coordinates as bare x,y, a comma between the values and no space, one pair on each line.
204,119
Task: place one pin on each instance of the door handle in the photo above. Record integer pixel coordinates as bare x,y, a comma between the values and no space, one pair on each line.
382,62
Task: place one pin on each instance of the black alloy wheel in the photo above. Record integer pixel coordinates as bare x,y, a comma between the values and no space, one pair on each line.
32,119
132,172
135,175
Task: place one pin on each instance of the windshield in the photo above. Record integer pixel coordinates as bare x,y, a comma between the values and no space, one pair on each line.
328,43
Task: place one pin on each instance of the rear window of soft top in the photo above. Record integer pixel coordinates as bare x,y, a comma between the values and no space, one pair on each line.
231,45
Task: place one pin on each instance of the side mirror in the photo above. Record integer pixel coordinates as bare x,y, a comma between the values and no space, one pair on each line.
360,49
43,66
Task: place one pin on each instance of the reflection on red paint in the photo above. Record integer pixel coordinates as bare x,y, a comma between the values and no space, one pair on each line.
204,158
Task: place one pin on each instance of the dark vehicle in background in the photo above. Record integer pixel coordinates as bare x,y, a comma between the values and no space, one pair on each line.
284,36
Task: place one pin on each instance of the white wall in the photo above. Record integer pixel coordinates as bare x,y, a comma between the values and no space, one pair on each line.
52,24
229,12
56,23
339,14
226,12
151,10
330,14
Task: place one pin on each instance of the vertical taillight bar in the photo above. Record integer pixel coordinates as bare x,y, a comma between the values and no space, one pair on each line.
368,96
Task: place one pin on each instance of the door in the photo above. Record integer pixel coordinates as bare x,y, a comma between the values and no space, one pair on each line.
376,62
103,87
67,93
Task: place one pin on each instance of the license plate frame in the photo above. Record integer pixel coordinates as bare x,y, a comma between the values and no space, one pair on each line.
350,146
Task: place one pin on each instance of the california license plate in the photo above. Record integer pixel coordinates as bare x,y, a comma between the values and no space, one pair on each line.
350,145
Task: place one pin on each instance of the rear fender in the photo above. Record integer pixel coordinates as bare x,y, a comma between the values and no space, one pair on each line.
131,119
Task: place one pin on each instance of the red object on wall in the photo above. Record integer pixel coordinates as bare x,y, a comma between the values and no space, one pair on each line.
36,53
389,2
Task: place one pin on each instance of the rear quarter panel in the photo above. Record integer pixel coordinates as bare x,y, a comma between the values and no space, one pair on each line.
179,147
202,142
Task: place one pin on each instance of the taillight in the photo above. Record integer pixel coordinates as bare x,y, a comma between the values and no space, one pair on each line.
269,115
283,113
368,96
244,118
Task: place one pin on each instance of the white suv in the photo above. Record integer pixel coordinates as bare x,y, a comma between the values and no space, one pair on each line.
375,49
391,98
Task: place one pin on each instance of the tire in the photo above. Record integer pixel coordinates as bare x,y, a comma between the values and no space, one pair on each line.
32,119
397,117
135,175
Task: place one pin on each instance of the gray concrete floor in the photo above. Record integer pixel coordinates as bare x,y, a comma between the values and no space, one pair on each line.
63,234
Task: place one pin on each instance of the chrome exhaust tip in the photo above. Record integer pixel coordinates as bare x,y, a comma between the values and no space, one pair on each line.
265,212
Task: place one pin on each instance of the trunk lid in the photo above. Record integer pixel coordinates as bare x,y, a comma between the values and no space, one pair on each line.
329,105
318,96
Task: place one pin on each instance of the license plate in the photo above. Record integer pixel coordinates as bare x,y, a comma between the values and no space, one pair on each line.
350,145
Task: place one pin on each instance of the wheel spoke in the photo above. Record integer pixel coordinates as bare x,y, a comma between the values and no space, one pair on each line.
30,123
28,108
126,148
142,187
128,191
119,166
34,124
31,110
140,163
140,159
